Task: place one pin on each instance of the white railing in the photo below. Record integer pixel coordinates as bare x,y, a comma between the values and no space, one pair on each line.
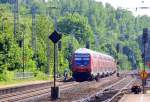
23,75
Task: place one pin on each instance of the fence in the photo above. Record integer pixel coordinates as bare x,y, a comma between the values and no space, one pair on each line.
23,75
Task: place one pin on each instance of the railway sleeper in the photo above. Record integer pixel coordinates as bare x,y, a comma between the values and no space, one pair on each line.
105,96
108,94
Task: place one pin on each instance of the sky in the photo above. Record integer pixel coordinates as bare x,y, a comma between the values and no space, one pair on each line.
131,5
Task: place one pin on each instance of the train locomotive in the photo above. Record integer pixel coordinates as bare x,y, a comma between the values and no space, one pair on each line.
89,65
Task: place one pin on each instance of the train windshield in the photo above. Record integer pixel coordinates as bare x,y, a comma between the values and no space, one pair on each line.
82,59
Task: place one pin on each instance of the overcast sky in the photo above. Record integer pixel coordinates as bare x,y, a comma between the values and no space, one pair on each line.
131,5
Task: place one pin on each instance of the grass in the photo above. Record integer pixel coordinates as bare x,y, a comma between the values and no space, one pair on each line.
22,81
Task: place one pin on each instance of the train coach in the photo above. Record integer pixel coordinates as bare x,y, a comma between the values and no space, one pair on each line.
89,65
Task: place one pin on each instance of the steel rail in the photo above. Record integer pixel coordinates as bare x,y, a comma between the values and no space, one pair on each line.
120,91
100,92
31,93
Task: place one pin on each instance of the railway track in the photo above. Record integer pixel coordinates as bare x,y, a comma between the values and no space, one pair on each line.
87,91
70,91
112,92
31,92
19,88
83,90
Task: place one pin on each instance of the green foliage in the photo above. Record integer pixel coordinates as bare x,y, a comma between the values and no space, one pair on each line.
74,24
40,75
7,76
79,21
124,63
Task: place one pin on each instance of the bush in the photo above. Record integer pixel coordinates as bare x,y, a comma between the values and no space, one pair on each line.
40,75
7,76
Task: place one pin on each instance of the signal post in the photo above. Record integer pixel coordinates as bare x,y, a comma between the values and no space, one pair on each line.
143,73
55,37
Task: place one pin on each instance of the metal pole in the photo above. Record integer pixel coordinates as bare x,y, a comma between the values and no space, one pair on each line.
143,81
55,90
16,18
57,61
3,25
23,56
33,29
56,47
144,55
54,65
48,48
48,58
143,85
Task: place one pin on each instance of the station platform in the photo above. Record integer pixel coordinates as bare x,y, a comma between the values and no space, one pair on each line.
135,98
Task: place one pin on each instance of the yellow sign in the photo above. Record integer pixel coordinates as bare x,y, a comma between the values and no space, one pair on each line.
143,74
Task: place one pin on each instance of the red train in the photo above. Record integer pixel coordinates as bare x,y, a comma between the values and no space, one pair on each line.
88,64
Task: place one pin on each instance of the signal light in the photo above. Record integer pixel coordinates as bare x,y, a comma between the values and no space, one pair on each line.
1,46
59,45
88,44
146,31
142,55
118,47
20,42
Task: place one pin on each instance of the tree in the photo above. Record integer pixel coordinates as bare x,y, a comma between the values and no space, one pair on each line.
77,26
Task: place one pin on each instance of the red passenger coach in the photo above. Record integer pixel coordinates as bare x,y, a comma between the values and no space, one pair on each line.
88,64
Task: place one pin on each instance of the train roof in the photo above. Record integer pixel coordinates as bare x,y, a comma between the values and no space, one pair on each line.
85,50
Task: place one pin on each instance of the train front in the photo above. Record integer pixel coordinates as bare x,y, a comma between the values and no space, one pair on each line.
81,66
